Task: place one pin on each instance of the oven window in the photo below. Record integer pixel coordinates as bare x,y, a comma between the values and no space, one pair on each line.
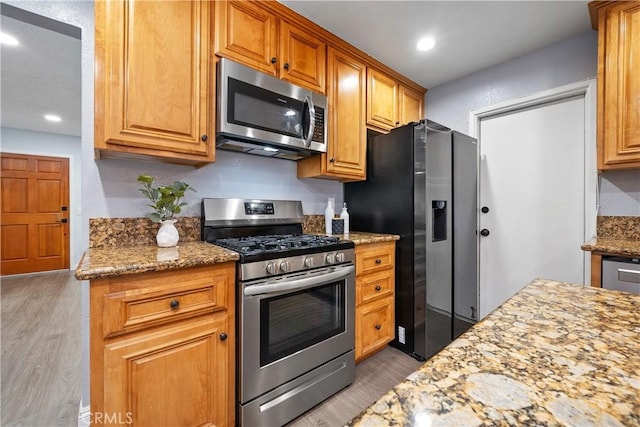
294,321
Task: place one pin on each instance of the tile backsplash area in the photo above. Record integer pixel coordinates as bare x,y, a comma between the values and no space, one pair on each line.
619,227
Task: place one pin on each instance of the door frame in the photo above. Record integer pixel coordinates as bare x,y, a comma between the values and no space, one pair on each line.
586,88
75,229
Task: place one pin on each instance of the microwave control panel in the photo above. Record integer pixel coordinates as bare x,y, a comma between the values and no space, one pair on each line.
318,131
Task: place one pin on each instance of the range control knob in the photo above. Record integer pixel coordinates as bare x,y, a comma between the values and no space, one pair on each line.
271,268
284,266
331,258
308,262
340,257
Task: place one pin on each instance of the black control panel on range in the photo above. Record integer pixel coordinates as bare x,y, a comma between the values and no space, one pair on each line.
259,208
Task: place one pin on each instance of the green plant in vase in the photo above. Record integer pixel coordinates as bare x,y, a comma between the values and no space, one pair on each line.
166,201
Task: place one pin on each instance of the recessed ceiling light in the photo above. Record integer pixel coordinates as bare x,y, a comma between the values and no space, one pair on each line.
270,149
7,39
426,43
53,118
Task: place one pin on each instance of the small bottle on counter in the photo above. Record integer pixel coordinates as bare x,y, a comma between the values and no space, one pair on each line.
345,216
328,215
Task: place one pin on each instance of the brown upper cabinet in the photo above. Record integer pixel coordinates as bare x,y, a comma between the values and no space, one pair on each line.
249,34
345,158
154,87
389,103
618,122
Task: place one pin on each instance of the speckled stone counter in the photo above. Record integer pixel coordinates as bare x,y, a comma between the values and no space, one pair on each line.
362,238
554,354
629,248
616,235
116,261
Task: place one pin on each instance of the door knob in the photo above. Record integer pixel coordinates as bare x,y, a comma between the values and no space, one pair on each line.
484,209
484,232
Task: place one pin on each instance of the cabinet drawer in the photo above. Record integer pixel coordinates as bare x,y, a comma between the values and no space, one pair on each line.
374,327
370,287
161,298
375,257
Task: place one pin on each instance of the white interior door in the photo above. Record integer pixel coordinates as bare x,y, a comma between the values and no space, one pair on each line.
532,180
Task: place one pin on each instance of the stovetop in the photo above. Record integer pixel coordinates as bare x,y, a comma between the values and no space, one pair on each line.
258,248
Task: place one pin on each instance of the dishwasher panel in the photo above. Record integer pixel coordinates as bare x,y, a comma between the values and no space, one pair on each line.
621,274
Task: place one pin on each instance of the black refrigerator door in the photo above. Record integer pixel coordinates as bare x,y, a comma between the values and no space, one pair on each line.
384,203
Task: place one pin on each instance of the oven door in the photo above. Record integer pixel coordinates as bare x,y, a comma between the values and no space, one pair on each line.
293,324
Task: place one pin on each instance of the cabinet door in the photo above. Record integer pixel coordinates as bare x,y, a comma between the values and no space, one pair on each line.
382,100
410,105
346,151
153,81
620,107
302,58
374,327
246,33
177,376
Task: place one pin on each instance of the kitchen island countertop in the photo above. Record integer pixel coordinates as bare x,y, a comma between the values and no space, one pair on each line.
98,263
554,354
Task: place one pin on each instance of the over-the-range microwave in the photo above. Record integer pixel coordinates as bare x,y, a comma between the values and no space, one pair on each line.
260,114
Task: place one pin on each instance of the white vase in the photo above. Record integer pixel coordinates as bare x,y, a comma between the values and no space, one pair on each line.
167,236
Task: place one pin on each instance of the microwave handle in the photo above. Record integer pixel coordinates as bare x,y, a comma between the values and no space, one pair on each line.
312,121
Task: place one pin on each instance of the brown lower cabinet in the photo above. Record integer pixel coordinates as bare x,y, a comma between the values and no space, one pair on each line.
375,302
163,347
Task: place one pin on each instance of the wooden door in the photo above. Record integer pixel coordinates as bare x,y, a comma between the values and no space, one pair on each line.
382,100
174,377
246,33
303,58
410,105
154,82
619,86
34,205
346,151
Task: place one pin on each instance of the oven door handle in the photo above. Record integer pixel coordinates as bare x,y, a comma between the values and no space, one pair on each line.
294,285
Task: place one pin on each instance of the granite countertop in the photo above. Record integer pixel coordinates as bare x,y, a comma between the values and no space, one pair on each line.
612,246
117,261
362,238
554,354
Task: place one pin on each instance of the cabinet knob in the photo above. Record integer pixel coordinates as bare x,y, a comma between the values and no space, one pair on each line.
274,60
204,138
397,123
332,160
378,288
223,336
174,304
378,327
286,65
484,232
378,261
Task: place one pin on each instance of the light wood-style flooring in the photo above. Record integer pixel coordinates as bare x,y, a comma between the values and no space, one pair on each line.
40,349
40,359
374,377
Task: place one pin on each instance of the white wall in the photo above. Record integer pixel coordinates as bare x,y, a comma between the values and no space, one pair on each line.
50,144
570,60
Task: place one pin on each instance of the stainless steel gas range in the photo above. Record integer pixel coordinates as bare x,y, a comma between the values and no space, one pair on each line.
295,307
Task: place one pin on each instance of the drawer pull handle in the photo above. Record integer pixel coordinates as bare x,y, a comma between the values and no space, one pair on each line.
378,288
223,337
378,327
378,261
174,304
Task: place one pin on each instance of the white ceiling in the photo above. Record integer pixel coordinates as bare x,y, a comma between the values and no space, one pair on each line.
42,75
470,35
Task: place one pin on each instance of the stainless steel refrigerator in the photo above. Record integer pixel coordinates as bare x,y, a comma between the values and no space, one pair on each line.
422,185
